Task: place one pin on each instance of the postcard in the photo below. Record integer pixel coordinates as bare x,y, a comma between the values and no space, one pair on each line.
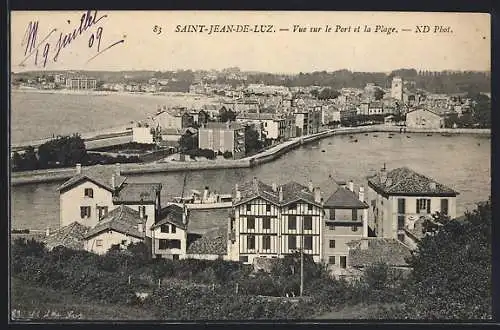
250,165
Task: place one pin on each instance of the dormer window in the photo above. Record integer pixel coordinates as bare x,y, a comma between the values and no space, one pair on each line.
89,192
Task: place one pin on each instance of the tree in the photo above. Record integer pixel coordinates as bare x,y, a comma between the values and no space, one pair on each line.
64,150
451,276
328,93
188,142
227,115
30,160
379,94
481,110
315,93
252,141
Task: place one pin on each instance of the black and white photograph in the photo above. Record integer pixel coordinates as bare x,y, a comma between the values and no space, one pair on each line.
311,166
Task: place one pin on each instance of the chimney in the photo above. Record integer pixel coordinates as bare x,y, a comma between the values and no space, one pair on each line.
237,196
113,181
280,193
141,212
311,187
255,182
383,175
317,195
184,215
117,169
351,185
275,187
78,168
362,193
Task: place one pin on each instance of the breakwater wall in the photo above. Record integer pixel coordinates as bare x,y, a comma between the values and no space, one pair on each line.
54,175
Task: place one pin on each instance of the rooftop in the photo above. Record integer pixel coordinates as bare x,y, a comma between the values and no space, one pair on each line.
70,236
404,181
292,191
213,242
343,198
172,214
137,192
368,251
231,125
122,219
99,174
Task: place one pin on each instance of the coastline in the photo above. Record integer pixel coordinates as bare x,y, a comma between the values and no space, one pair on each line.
53,175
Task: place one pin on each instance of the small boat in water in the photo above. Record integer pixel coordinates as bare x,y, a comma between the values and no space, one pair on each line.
366,134
375,135
323,150
429,134
408,136
390,136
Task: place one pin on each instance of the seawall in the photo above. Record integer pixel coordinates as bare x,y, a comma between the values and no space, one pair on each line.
54,175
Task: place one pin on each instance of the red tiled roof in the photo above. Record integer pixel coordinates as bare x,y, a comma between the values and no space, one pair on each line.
137,192
369,251
343,198
172,214
213,242
122,219
70,236
404,181
99,174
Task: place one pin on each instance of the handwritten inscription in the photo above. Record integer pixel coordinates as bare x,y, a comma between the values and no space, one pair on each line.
53,49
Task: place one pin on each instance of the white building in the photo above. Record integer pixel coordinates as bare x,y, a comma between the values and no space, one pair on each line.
397,88
169,233
120,227
142,135
400,197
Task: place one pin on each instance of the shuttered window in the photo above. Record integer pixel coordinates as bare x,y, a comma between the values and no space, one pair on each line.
444,206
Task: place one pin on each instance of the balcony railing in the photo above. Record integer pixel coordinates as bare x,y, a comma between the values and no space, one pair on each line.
344,221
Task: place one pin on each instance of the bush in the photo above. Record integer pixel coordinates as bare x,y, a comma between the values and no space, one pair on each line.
227,155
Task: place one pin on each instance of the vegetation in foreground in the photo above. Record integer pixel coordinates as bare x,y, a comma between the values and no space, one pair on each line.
451,279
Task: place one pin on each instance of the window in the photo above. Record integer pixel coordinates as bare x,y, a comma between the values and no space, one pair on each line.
423,205
309,207
401,222
332,244
266,223
85,212
249,207
343,261
401,206
251,242
251,223
292,222
266,242
354,228
308,223
268,207
165,228
89,192
332,214
98,242
331,260
164,244
173,229
444,206
292,206
124,242
244,258
292,242
354,214
175,257
102,211
308,242
331,227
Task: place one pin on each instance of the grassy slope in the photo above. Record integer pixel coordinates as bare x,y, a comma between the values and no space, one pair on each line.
29,298
357,312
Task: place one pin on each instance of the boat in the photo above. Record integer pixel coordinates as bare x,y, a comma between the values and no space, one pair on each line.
323,150
390,136
366,134
205,200
355,140
375,135
429,134
408,136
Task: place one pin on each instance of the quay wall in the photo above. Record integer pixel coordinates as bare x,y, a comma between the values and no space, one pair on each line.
53,175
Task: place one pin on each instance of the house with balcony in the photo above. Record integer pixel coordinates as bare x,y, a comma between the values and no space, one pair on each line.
275,220
401,196
345,220
169,233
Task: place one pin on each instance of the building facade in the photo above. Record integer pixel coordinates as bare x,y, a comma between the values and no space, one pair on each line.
274,221
397,88
402,196
223,137
83,83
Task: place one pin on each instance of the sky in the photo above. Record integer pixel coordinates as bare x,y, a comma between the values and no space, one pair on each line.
465,45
